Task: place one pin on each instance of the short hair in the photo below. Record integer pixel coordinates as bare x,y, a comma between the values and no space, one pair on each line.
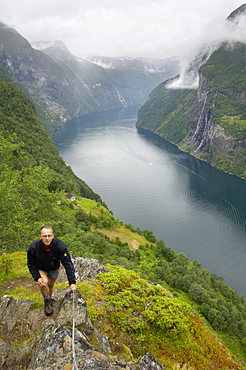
46,227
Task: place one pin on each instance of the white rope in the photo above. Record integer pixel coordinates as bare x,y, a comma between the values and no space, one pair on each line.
75,367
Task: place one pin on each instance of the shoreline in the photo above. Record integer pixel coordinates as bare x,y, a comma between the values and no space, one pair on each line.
190,153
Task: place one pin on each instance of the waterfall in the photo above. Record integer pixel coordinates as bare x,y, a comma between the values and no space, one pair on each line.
199,120
205,132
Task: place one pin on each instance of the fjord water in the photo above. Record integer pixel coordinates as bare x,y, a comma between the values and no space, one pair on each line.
149,183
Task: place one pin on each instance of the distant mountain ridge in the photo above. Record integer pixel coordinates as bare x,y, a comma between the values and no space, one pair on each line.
63,86
210,121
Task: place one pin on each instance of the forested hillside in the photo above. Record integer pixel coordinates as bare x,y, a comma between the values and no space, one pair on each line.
208,122
31,167
33,185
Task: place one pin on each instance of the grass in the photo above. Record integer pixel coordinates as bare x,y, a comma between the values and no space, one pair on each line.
233,343
89,206
23,292
15,280
122,233
13,266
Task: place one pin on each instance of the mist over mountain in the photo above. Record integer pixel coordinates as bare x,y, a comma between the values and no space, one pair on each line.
231,30
203,109
63,86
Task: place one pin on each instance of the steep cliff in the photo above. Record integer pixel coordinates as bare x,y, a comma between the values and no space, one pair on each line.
209,122
220,130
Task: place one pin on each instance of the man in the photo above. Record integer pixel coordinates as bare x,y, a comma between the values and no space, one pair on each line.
43,260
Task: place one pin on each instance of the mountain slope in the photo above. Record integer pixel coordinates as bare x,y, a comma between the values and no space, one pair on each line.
209,122
19,120
33,73
139,76
33,181
94,88
57,92
63,86
130,79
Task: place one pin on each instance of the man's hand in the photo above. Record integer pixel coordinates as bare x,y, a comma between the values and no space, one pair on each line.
41,282
73,287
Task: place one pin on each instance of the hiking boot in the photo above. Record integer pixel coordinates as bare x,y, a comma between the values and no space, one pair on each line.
48,309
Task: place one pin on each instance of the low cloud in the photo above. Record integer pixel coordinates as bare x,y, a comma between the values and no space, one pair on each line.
134,28
212,37
189,30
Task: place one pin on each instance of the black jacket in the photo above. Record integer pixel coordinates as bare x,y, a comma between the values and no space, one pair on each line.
40,259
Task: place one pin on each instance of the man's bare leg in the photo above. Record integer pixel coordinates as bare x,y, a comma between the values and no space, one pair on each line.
46,286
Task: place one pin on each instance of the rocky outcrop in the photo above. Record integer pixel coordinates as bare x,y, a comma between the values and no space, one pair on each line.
85,269
29,339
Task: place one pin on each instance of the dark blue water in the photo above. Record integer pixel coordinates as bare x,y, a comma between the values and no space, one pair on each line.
151,184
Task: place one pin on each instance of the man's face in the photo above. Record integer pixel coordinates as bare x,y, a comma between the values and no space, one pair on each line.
46,236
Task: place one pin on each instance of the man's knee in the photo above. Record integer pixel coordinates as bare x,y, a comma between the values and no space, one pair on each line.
44,276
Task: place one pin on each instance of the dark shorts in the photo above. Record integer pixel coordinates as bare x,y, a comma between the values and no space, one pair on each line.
53,274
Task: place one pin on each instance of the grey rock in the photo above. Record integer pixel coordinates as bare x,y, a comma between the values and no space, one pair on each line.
148,362
72,308
54,350
85,269
88,268
104,342
19,357
4,349
12,310
64,339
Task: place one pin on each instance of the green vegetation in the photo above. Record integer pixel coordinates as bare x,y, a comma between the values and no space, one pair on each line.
141,316
228,80
146,319
82,226
173,114
225,69
163,113
18,118
33,185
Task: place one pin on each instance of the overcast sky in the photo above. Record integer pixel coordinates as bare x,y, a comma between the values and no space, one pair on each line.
147,28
